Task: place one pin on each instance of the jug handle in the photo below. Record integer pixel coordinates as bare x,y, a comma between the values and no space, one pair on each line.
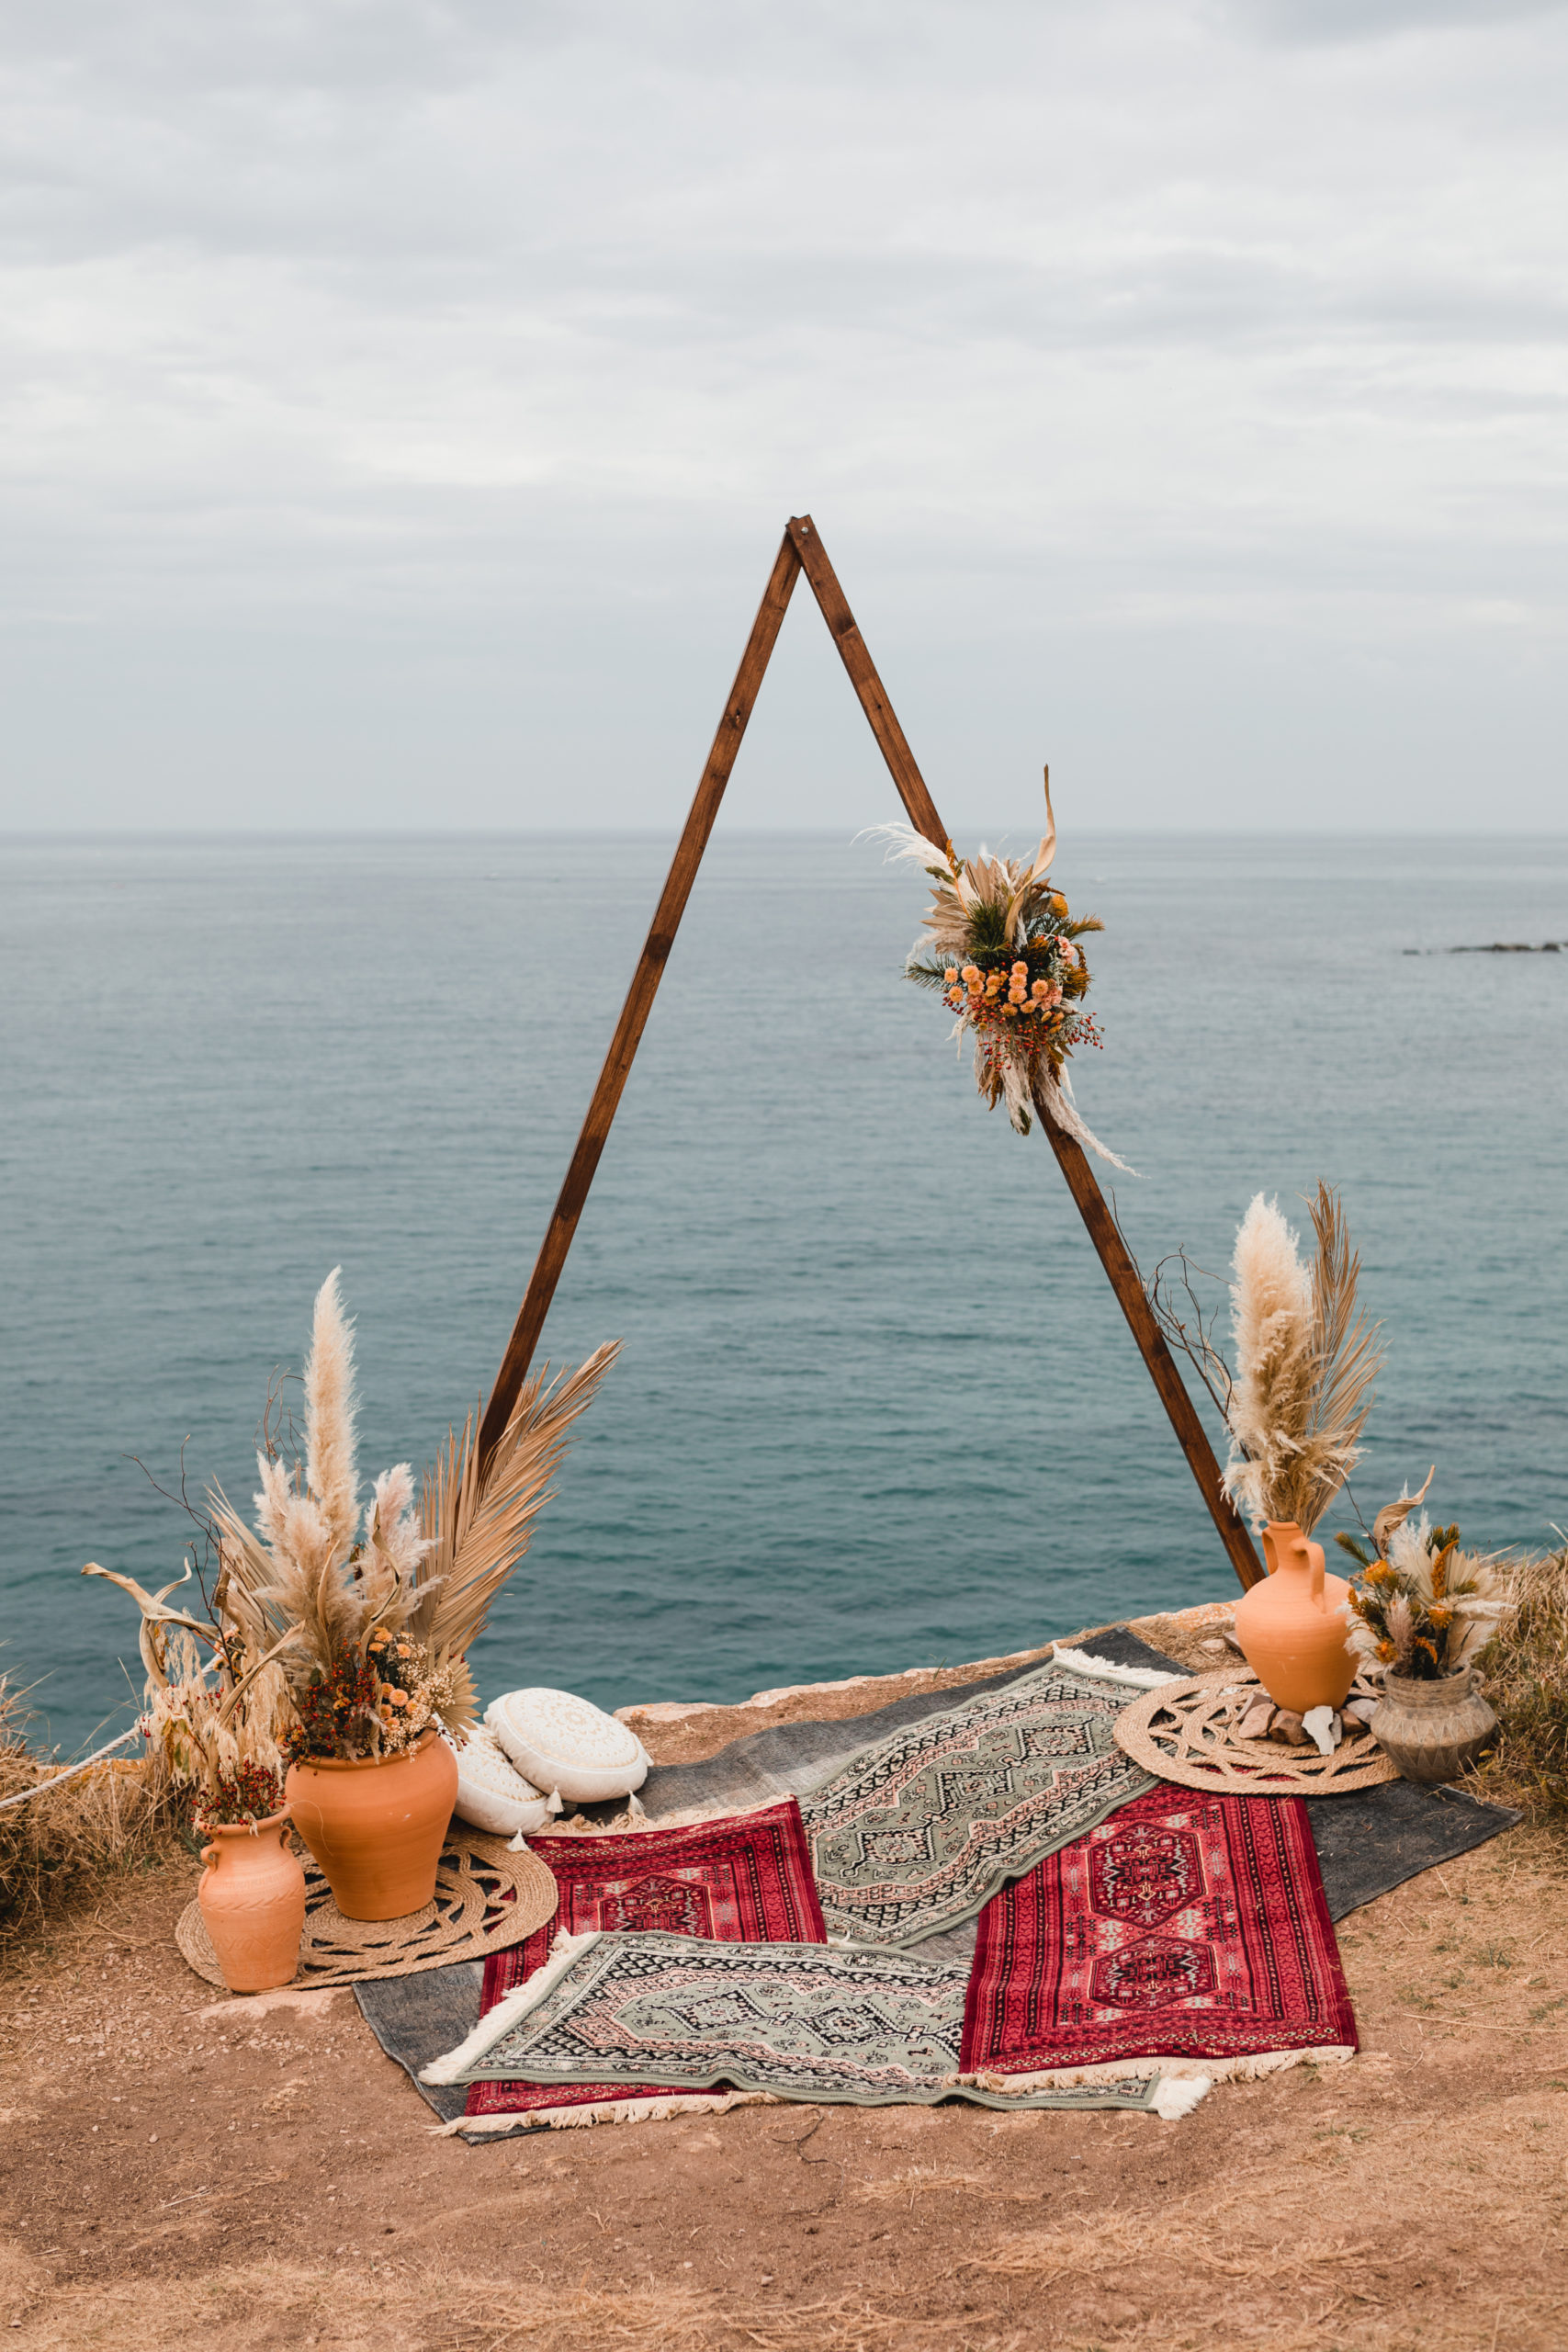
1314,1562
209,1858
1269,1556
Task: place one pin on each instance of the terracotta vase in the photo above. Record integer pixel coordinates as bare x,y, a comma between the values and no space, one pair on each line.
1293,1628
377,1828
253,1902
1432,1730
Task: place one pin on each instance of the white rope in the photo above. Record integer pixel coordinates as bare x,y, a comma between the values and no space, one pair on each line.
70,1773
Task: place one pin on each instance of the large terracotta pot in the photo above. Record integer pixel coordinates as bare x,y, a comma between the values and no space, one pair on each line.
377,1828
1293,1628
253,1902
1432,1730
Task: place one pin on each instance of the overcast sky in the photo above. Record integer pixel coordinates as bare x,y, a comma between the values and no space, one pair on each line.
402,403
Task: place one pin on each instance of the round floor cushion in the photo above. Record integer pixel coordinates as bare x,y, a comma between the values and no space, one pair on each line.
565,1743
491,1793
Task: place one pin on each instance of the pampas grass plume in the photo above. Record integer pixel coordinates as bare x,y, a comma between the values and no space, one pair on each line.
1271,1318
1305,1364
330,1471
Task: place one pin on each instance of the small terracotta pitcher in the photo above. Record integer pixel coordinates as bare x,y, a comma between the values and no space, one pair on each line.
1293,1627
253,1902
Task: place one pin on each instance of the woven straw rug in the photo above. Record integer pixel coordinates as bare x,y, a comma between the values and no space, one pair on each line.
747,1880
796,2021
486,1899
914,1834
1188,1931
1190,1734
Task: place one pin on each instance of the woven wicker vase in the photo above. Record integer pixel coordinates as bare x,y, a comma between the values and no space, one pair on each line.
377,1828
253,1902
1432,1730
1293,1627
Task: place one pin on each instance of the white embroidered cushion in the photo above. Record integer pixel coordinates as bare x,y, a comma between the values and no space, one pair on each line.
491,1793
565,1743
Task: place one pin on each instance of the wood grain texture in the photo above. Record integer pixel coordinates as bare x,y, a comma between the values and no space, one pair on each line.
1127,1284
644,987
911,785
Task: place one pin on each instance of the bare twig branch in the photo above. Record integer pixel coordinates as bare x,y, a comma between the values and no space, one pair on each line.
1179,1309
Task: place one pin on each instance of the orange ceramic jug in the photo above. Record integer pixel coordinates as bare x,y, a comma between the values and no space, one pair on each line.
253,1902
1293,1628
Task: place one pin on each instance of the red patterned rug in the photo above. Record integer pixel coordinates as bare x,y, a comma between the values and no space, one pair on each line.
747,1880
1185,1926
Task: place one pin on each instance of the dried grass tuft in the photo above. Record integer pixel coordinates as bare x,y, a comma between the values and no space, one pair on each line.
1524,1673
101,1823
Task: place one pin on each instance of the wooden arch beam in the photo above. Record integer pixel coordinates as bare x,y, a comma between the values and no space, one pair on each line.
802,551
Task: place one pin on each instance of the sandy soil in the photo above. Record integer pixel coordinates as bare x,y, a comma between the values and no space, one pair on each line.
180,2170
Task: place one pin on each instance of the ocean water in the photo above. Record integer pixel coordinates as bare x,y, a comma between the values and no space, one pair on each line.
876,1406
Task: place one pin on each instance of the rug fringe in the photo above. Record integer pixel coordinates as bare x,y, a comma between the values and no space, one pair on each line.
619,2110
1104,1669
454,2066
1248,2069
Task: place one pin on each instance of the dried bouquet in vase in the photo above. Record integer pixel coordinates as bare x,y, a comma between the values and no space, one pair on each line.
216,1711
1423,1607
372,1619
1306,1366
1000,948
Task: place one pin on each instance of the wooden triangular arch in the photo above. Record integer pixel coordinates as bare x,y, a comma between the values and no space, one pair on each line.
802,551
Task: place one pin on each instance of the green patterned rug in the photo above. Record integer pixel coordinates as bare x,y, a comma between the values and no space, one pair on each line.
918,1833
793,2021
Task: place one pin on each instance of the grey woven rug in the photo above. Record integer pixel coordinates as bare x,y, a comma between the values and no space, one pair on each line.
800,2021
913,1837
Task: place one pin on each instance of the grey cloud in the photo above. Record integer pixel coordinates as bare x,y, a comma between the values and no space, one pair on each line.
1318,21
444,361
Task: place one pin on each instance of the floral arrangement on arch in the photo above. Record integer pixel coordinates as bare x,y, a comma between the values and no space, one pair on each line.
1001,947
361,1618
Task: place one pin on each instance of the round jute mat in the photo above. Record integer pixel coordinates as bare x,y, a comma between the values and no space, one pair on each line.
1185,1732
486,1898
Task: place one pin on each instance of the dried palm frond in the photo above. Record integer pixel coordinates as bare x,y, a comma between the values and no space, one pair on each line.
477,1526
158,1621
219,1736
1347,1359
1306,1364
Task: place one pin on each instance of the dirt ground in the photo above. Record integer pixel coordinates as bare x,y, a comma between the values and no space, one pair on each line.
182,2170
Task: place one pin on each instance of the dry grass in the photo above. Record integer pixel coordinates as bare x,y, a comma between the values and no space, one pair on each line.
400,2308
104,1822
1524,1672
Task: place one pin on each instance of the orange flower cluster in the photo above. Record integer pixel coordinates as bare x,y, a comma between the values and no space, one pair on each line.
399,1665
969,990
